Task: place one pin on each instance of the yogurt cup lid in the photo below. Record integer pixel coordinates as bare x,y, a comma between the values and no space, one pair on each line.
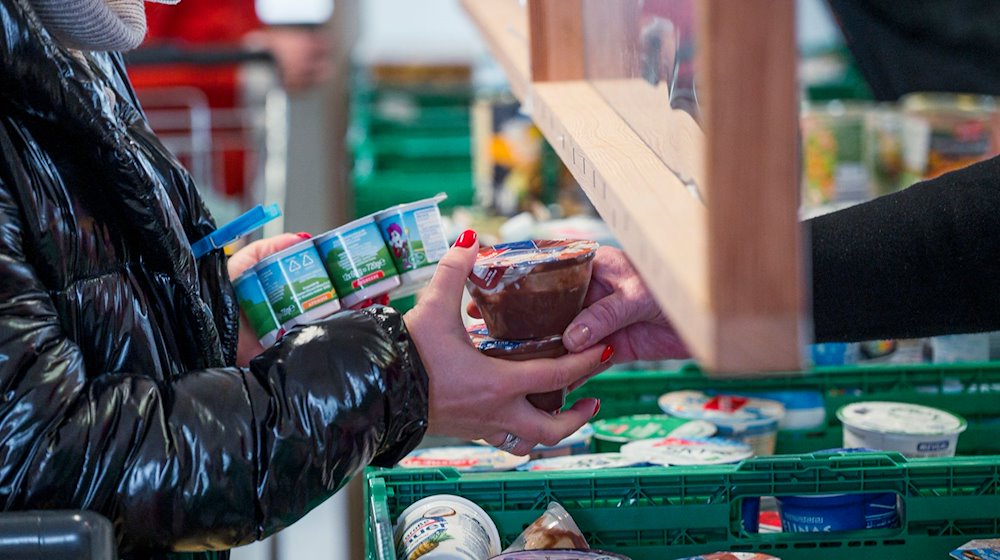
648,426
900,418
589,461
465,458
560,554
370,219
482,340
688,451
424,202
446,505
734,412
493,261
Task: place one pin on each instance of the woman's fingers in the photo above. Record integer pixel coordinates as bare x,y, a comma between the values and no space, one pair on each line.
542,376
533,425
444,294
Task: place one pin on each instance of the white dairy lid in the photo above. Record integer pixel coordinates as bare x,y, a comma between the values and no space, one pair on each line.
900,418
467,458
688,451
581,462
734,412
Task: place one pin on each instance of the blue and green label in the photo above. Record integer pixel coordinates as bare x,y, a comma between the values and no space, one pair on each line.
296,283
253,302
414,237
356,258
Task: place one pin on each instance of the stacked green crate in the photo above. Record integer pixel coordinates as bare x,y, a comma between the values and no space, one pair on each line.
410,142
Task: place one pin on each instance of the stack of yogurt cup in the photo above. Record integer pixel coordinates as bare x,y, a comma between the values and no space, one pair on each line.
392,252
528,293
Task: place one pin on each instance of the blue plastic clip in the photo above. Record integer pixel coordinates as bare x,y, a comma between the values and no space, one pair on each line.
249,221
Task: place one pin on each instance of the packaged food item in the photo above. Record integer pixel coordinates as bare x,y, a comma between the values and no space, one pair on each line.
531,289
884,148
520,350
837,512
445,527
560,554
297,285
911,429
733,556
256,308
590,461
555,528
415,237
957,130
358,261
833,167
804,410
834,353
979,549
466,458
687,451
752,421
958,348
610,434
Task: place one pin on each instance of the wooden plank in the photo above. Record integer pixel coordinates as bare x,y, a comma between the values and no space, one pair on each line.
659,224
747,59
504,25
556,45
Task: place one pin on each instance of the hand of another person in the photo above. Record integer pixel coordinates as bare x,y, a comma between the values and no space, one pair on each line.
248,346
303,55
620,310
474,396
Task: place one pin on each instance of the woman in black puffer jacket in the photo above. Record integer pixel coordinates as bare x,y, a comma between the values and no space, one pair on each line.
119,391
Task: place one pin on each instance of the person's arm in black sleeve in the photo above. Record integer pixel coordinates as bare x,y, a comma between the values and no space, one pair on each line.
213,458
921,262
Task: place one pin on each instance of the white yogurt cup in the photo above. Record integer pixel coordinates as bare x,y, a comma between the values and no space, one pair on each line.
752,421
416,240
446,527
465,458
358,261
911,429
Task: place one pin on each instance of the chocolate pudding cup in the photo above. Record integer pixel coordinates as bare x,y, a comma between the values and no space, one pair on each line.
531,289
523,350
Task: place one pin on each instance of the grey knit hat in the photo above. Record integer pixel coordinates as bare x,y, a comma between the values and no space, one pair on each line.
95,25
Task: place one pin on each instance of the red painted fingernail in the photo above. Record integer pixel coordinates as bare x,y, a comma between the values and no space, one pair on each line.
383,300
597,407
304,235
466,240
608,352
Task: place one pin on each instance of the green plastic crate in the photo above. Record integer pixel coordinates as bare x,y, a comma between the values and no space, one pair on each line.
674,512
971,390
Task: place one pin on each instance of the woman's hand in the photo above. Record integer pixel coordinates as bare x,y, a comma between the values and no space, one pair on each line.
620,310
474,396
248,346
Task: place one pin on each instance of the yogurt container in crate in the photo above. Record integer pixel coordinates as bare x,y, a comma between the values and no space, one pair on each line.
911,429
612,433
358,261
416,240
256,308
675,451
588,462
297,285
446,526
752,421
465,458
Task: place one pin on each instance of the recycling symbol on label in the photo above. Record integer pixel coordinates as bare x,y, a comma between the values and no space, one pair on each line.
293,265
306,260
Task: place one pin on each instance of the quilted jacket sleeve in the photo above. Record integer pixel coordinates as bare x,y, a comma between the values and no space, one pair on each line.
213,458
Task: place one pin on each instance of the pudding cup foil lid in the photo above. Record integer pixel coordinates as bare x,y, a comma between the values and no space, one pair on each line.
494,262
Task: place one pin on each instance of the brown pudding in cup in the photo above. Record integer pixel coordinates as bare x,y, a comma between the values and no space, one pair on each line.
531,289
521,350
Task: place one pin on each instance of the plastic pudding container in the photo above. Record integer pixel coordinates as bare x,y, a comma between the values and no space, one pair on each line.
752,421
256,308
415,237
592,461
358,261
674,451
465,458
297,286
531,289
521,350
446,527
611,434
911,429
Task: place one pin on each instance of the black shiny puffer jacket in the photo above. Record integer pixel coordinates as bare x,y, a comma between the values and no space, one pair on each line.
117,391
